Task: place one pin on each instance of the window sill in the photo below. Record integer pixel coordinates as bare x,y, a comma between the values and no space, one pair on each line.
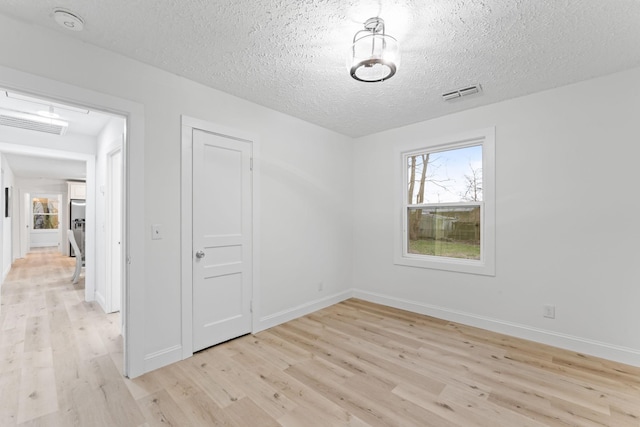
448,264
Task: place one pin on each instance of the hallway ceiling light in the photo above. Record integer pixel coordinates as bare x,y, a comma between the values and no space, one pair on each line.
374,55
68,20
49,113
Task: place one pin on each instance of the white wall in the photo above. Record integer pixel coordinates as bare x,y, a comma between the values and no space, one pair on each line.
6,252
306,177
566,220
46,239
109,139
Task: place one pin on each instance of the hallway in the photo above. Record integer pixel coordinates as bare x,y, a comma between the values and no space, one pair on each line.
60,357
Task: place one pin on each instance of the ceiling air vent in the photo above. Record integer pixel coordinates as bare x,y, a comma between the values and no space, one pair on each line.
459,93
32,122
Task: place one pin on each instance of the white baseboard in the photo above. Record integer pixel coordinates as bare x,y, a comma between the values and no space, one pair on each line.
5,274
162,358
616,353
283,316
101,300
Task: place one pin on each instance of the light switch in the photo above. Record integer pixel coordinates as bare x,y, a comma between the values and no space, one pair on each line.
156,232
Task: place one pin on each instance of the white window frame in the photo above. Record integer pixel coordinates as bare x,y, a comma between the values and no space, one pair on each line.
486,264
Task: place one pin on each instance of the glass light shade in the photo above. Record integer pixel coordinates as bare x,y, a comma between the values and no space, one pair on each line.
374,57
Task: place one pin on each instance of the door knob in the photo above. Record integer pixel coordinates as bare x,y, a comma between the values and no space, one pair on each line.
200,254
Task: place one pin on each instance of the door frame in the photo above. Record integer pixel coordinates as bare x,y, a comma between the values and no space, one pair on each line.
25,223
62,221
110,236
133,255
186,214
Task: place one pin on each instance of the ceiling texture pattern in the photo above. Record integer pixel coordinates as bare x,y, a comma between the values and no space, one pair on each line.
290,55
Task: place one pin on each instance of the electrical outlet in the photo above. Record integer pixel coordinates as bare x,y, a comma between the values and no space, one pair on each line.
320,286
549,311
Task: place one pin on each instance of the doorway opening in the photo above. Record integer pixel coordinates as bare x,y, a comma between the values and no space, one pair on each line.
66,180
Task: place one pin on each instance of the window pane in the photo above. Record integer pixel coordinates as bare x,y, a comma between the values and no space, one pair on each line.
45,213
45,222
445,176
44,205
447,231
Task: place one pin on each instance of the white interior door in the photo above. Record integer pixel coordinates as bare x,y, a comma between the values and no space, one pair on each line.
222,238
114,235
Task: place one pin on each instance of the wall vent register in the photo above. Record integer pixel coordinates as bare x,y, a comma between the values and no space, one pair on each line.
462,92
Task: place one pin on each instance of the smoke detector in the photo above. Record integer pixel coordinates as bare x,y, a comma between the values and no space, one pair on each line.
68,20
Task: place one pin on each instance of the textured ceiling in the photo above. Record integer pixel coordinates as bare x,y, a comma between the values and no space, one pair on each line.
289,55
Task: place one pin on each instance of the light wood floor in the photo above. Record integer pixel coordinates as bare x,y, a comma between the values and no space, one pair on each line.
355,363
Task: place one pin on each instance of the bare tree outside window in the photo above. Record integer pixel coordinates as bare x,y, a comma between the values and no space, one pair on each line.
473,181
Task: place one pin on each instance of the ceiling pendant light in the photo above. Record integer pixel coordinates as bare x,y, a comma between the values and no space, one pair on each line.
374,55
